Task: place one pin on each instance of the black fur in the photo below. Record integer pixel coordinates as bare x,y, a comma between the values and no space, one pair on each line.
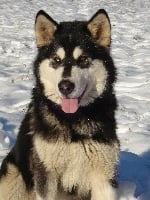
101,111
70,35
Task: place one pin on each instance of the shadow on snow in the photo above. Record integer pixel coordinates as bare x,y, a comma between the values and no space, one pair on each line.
134,171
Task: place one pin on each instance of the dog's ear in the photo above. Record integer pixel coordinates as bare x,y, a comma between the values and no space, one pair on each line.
100,28
45,28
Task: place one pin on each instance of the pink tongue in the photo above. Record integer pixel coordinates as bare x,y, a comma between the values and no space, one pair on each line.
70,105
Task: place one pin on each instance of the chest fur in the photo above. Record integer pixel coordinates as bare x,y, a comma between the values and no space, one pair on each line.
75,160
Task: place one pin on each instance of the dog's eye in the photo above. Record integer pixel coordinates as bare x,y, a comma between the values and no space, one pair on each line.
83,59
57,59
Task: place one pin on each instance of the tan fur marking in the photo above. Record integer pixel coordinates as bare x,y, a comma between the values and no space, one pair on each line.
44,30
77,52
12,186
101,30
61,53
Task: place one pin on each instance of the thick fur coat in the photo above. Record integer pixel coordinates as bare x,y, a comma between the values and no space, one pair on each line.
67,146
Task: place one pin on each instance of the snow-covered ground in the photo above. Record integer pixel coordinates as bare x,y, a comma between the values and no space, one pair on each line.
130,21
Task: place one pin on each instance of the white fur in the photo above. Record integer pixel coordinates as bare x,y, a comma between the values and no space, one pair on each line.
50,78
90,81
102,190
90,165
38,197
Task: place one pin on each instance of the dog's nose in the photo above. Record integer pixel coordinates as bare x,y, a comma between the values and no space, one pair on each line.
66,87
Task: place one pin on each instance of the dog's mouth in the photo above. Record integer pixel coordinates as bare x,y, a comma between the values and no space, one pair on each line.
71,105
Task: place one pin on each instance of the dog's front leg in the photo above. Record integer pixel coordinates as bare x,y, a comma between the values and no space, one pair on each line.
102,189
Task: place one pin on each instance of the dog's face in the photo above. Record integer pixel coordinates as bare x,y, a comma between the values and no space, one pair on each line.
72,64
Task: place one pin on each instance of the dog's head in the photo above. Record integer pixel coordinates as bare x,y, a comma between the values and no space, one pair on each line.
73,60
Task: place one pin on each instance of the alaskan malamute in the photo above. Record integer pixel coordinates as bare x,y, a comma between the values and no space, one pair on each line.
67,146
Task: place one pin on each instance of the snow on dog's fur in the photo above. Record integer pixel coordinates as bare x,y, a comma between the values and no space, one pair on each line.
67,146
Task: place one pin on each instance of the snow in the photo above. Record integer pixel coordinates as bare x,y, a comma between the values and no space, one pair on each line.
131,52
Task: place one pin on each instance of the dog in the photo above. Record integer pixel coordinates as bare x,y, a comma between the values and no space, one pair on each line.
67,147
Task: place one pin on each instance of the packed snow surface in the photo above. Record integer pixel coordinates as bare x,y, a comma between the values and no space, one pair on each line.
130,21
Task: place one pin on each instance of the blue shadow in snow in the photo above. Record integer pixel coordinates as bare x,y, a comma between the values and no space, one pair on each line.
8,129
135,169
